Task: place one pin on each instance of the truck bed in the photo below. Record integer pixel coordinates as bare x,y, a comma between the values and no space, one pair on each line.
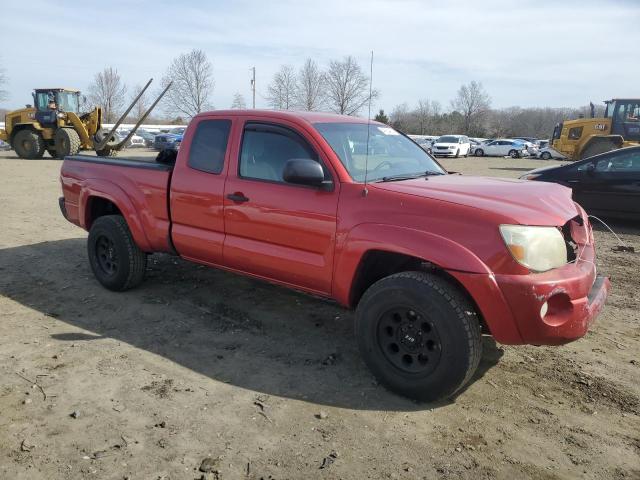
137,188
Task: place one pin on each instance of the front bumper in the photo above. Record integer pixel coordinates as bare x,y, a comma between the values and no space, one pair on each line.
550,308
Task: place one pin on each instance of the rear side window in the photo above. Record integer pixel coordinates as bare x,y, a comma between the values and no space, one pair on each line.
209,145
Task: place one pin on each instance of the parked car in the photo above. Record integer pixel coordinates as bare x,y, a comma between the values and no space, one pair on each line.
607,184
4,145
476,143
177,131
451,146
425,258
548,153
136,141
527,139
532,149
147,136
425,141
501,148
164,141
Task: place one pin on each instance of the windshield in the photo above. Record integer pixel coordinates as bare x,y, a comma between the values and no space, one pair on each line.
68,102
390,153
448,139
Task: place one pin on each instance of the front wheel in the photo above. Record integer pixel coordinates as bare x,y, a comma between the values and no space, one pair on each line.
67,142
115,259
514,154
545,156
419,335
479,152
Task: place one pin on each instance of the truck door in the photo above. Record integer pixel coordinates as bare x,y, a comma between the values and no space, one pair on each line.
274,229
197,191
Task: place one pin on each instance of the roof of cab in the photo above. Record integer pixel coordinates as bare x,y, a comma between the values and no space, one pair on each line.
57,89
310,117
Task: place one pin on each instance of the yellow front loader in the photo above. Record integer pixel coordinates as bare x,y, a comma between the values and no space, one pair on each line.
586,137
55,125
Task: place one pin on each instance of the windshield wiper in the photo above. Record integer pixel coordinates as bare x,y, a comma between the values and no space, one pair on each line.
409,176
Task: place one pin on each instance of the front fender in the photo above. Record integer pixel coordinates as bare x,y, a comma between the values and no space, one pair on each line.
95,187
430,247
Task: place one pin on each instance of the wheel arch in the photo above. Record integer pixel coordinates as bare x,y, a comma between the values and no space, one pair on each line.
20,127
617,140
105,198
372,251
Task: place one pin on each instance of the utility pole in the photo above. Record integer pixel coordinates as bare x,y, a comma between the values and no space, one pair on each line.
253,86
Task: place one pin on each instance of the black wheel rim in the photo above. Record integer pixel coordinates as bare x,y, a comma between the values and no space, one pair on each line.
106,255
409,340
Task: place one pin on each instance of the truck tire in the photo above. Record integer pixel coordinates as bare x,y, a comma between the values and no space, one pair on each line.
597,147
28,144
67,142
419,335
115,259
52,152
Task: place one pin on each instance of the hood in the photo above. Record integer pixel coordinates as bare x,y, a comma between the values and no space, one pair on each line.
541,169
517,201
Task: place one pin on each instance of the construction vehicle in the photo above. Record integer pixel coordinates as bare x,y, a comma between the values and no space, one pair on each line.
55,125
585,137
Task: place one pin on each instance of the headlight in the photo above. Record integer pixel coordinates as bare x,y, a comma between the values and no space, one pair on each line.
530,176
537,248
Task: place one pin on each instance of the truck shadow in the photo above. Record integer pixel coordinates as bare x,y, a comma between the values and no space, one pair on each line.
230,328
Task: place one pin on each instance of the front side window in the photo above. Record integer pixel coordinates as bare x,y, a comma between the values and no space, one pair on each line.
622,163
575,133
383,152
68,102
209,146
267,148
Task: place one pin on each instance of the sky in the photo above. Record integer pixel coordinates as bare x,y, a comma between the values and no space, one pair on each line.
525,53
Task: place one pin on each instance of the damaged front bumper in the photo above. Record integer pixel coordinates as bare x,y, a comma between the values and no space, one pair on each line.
550,308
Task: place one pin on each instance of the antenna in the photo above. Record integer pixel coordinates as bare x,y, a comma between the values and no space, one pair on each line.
365,192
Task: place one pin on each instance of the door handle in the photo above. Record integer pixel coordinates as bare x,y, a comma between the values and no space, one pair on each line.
237,197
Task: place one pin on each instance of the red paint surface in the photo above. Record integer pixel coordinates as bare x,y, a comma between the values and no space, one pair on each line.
315,240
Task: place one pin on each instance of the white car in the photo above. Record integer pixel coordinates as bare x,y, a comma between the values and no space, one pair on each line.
547,153
451,146
502,147
136,141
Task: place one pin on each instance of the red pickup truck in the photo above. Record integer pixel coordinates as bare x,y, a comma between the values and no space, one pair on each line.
359,213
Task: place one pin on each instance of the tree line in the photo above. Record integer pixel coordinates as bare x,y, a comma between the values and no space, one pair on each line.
470,113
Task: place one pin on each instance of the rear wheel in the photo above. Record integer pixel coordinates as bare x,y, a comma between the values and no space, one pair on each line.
598,147
28,144
419,335
67,142
514,154
115,259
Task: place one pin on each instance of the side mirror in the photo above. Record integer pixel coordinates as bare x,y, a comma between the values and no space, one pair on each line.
304,171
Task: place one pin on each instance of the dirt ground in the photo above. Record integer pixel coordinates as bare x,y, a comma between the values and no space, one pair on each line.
268,383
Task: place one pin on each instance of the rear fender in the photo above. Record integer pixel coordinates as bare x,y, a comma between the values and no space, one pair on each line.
432,248
110,191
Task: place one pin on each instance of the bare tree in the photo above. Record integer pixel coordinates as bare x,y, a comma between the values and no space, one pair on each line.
108,91
347,87
3,82
140,108
473,103
282,89
401,118
310,87
239,102
192,76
